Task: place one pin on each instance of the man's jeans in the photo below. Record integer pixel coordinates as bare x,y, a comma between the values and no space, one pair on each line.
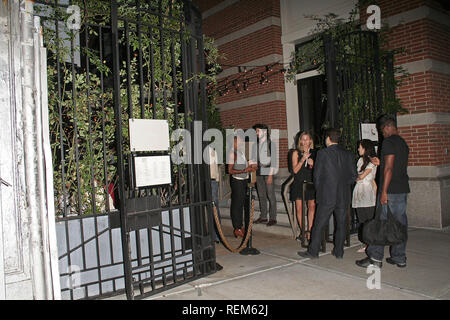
397,204
266,192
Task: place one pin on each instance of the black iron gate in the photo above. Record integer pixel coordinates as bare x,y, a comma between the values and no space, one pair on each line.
358,80
125,60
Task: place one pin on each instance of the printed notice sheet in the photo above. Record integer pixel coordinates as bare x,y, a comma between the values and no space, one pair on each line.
152,170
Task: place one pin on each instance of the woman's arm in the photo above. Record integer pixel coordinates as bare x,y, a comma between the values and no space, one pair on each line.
364,174
296,163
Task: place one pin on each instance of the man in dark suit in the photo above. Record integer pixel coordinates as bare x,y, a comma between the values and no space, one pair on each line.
334,174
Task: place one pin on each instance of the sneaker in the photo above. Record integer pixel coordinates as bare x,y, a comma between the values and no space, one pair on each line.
271,222
364,263
391,261
260,220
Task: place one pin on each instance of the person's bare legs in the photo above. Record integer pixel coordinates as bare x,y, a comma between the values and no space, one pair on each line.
311,212
298,206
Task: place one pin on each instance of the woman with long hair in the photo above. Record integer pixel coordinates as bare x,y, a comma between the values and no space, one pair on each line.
365,191
303,159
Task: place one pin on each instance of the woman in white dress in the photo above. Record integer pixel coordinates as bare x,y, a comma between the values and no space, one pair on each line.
365,191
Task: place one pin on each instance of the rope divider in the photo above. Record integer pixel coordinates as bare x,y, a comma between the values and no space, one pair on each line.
247,236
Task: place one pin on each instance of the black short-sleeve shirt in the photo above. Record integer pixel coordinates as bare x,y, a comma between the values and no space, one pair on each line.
395,145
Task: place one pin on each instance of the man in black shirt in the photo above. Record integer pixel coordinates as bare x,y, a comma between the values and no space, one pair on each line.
393,188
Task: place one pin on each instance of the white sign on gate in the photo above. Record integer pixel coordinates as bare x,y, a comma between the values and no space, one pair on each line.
149,135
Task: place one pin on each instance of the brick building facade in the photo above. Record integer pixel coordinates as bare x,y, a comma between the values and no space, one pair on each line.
258,32
422,28
249,33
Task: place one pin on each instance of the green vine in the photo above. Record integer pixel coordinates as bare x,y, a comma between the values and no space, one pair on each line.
81,113
355,98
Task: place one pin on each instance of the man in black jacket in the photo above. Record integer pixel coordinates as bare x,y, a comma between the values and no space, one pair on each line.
334,174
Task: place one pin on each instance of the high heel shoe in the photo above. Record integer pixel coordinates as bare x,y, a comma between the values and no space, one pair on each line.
308,235
299,237
239,233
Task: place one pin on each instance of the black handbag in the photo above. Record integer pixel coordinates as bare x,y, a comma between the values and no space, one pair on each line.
384,232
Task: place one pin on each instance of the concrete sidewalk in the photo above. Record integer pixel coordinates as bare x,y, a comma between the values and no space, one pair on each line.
278,273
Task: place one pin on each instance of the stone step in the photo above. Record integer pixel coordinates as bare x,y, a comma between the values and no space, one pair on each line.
281,209
282,227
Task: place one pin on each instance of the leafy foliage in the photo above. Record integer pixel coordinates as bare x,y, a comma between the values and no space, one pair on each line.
353,52
80,90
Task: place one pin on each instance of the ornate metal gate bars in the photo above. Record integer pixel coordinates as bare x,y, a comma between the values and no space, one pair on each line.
359,81
125,60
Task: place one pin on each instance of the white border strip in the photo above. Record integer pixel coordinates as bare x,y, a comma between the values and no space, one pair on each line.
268,22
421,119
423,12
428,171
218,8
264,98
307,74
427,65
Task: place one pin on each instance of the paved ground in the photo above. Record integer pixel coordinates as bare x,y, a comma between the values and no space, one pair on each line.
278,273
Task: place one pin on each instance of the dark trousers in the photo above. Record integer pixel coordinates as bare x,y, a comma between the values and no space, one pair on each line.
239,203
364,214
321,219
266,192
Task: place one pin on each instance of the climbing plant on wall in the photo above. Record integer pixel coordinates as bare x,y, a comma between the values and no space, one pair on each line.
357,58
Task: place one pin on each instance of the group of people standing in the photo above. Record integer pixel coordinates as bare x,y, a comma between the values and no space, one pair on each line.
328,176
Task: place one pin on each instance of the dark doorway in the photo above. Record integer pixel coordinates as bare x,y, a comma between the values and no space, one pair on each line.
312,105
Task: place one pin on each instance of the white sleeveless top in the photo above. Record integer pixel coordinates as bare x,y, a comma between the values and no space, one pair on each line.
241,164
364,193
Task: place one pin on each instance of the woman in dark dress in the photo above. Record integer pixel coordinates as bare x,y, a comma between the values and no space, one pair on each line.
303,159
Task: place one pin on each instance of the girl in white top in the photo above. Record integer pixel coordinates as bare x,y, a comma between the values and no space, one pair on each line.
365,191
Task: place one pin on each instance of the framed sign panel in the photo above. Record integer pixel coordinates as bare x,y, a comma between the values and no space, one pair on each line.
149,135
369,131
152,171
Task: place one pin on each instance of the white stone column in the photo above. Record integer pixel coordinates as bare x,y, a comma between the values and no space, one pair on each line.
290,89
28,261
